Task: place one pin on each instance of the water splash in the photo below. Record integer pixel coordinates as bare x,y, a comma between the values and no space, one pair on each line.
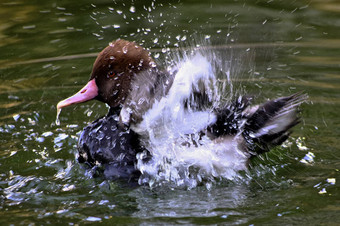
190,160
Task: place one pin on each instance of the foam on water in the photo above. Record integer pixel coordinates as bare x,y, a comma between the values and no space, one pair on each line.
179,158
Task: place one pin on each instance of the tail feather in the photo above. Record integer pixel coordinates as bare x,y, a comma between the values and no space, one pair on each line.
270,123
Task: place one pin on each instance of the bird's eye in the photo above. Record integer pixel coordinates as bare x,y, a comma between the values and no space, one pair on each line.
111,74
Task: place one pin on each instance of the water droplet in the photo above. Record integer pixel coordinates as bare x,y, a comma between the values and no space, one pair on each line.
309,158
89,113
57,121
62,211
141,101
125,50
11,97
47,134
132,9
29,27
153,64
103,202
92,219
323,191
40,139
16,117
100,135
68,187
331,181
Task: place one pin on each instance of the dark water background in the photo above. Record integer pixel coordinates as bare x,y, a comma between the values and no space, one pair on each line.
46,53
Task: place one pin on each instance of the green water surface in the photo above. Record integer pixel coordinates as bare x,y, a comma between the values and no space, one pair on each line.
47,49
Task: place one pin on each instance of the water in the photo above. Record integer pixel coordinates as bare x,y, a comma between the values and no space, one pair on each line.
47,50
57,121
168,122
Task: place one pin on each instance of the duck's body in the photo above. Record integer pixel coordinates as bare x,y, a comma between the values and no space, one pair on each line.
103,142
151,109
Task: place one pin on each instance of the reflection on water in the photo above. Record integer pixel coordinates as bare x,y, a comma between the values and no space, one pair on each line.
46,52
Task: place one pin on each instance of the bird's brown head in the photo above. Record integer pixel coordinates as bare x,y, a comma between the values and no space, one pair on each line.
112,72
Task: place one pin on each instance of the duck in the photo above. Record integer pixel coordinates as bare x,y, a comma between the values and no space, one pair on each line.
145,101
